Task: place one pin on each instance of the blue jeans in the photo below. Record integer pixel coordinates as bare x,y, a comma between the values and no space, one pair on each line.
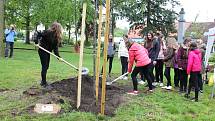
9,45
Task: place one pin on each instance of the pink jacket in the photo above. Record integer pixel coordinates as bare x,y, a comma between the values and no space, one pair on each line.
138,54
194,61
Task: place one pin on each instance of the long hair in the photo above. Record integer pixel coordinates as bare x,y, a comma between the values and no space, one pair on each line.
128,43
149,42
57,29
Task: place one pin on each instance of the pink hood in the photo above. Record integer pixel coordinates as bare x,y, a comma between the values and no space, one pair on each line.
194,61
139,55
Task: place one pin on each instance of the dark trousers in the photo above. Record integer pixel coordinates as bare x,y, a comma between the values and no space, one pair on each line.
142,77
183,80
110,59
124,63
44,59
151,69
159,71
145,71
9,45
167,75
200,81
193,82
176,77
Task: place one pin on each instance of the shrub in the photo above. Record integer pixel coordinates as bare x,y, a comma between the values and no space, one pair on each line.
212,58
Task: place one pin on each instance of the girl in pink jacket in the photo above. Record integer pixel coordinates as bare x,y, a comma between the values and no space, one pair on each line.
194,68
139,55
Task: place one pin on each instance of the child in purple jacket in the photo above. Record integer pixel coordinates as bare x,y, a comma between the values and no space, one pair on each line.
182,58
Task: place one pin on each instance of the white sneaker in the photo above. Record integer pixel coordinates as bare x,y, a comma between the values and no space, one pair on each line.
154,83
161,84
141,82
169,88
164,87
125,78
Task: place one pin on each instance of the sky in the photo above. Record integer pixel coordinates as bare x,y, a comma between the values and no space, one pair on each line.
205,9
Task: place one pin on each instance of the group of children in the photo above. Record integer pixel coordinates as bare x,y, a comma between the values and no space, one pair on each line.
186,59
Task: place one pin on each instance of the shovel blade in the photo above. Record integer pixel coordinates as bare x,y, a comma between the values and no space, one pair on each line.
108,83
85,71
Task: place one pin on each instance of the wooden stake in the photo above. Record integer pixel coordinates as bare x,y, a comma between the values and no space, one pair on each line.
98,53
107,24
81,53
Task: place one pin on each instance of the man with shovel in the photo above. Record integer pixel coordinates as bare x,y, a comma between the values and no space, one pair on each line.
50,40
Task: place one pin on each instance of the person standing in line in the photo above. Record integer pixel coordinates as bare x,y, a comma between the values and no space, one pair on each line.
123,55
202,48
50,40
160,62
139,55
176,70
168,60
193,69
182,58
10,36
110,54
153,46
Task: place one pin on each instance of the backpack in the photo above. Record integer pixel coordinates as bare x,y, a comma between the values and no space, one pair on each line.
5,36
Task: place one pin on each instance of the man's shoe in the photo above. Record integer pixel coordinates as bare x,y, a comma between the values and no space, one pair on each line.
186,96
164,87
141,82
194,100
125,78
161,84
169,87
43,84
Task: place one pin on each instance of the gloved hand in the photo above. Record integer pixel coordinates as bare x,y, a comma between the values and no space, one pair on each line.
154,62
60,59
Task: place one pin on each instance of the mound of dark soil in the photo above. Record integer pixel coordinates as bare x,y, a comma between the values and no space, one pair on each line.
68,88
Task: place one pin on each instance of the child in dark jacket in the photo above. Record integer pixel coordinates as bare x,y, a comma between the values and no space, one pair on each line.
168,60
51,39
193,68
182,58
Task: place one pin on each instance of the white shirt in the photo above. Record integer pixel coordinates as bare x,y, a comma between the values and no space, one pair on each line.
123,51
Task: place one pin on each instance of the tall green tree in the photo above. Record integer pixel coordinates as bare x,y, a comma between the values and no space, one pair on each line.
154,13
27,14
20,13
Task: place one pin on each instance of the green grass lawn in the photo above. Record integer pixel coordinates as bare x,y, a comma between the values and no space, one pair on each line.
23,71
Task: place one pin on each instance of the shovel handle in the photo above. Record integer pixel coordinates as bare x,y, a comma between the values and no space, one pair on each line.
119,77
57,57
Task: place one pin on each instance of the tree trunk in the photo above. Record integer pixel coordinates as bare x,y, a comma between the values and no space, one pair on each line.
69,33
27,39
148,14
1,28
86,33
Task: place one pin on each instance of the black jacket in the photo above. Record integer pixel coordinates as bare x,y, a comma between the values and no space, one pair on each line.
154,50
47,40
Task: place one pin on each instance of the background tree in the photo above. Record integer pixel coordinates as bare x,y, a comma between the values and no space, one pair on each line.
1,28
20,13
27,14
89,19
154,13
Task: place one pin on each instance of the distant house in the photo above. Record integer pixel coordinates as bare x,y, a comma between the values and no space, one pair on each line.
196,28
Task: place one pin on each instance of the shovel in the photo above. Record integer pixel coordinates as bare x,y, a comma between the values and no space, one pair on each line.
85,70
110,83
